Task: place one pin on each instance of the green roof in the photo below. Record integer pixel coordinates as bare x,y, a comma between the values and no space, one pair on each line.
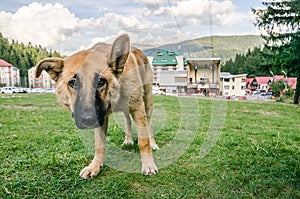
166,58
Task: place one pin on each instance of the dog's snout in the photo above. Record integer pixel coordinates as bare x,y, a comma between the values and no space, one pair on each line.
88,118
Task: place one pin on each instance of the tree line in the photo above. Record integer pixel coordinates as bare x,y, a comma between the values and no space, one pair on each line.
23,56
279,22
257,62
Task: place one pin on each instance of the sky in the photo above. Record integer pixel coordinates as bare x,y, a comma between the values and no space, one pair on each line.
68,26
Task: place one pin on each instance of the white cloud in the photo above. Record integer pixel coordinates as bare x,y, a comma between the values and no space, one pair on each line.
198,12
51,25
40,24
150,4
146,21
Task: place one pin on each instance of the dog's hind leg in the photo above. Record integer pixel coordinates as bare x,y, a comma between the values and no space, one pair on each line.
100,139
128,134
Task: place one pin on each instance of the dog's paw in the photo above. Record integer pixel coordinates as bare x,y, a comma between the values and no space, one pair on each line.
154,147
148,165
88,173
127,142
91,171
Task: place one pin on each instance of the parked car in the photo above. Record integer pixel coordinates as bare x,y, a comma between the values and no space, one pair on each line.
28,90
22,90
11,90
37,90
50,90
156,91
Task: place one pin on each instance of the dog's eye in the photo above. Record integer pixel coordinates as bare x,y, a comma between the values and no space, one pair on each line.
73,83
101,82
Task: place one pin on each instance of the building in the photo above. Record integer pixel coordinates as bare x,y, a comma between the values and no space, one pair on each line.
232,85
44,81
9,74
292,82
173,81
166,60
204,75
260,83
263,83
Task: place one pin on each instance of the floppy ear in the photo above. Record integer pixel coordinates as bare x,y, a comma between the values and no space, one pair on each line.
119,54
53,66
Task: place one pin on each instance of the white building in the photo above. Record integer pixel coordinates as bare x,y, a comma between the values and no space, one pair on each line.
165,60
9,74
44,81
204,75
173,81
232,85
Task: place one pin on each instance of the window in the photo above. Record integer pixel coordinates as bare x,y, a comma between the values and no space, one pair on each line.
226,80
180,79
171,53
243,80
226,87
160,54
232,87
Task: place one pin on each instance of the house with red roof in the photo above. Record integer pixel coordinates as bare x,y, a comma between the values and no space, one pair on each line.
262,83
9,74
292,82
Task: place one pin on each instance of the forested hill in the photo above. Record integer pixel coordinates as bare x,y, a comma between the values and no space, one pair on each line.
23,56
225,47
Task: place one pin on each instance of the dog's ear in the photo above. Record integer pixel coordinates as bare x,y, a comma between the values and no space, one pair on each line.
53,66
119,54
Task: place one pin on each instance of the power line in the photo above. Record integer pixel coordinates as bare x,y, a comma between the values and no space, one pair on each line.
211,27
178,26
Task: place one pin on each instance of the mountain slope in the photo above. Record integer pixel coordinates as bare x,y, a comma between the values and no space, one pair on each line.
225,47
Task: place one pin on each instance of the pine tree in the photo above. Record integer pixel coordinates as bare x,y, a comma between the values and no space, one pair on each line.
280,23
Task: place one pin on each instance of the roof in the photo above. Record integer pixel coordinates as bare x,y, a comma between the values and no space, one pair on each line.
278,77
227,75
161,52
263,80
292,82
203,59
4,63
249,80
166,58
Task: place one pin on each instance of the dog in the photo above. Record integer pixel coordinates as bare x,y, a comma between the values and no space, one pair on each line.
107,78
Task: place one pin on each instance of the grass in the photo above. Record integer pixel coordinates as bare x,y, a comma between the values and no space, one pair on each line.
256,156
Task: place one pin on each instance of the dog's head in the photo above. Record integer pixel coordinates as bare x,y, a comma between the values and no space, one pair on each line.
87,81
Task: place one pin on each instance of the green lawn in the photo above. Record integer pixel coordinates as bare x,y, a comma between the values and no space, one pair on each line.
256,155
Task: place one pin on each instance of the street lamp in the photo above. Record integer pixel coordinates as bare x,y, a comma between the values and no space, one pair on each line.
284,73
195,67
285,83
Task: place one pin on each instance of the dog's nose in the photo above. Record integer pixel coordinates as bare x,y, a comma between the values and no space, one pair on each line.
88,119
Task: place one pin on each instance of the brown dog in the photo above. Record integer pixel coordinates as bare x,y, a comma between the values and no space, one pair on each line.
92,83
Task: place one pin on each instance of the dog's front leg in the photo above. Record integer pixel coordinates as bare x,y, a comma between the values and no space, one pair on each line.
148,163
100,139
